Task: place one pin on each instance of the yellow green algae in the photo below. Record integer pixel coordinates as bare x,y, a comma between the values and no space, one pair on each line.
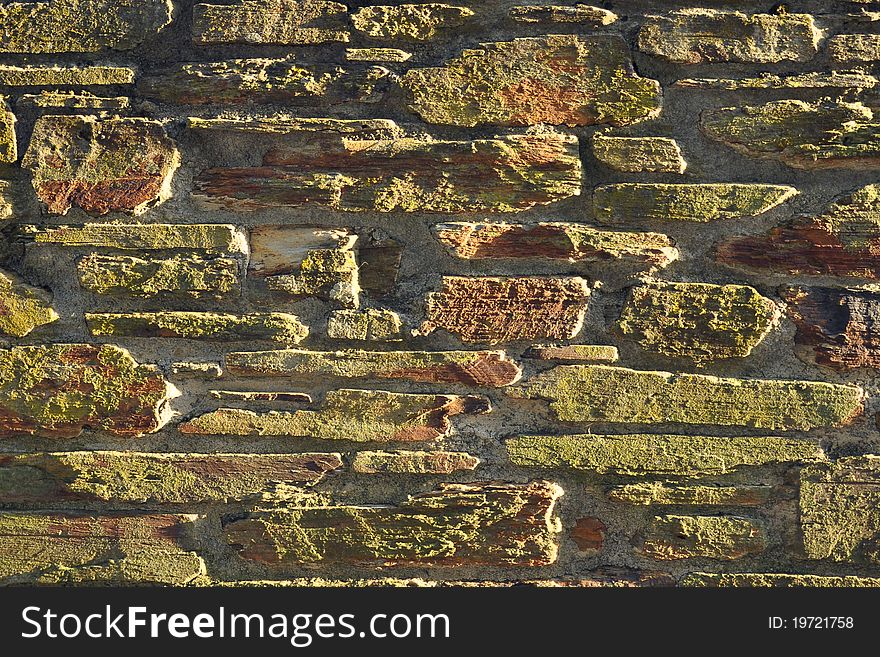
659,454
23,308
65,76
409,462
600,393
698,321
675,537
373,325
639,154
777,580
214,238
275,327
656,493
419,22
279,22
329,272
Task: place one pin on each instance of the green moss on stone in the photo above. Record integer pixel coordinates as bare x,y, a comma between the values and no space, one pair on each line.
710,537
277,327
413,22
23,308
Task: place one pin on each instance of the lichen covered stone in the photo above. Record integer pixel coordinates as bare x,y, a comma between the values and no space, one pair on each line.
275,327
5,201
281,22
22,307
213,238
711,537
402,462
586,353
65,76
8,140
60,100
811,80
371,325
420,22
377,55
659,494
330,273
639,154
581,14
855,48
777,580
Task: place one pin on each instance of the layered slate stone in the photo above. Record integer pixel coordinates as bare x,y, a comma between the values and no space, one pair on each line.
698,321
696,36
503,174
587,353
777,580
855,48
639,154
157,478
178,277
274,327
352,415
556,79
804,135
22,307
371,325
329,273
581,14
101,166
839,514
281,249
65,76
495,310
403,462
641,202
637,455
213,238
656,493
811,80
247,396
60,26
475,368
457,525
843,241
8,141
726,538
60,100
377,55
556,241
68,549
280,22
601,393
420,22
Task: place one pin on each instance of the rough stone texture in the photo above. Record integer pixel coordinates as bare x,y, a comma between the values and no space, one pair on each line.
699,321
202,370
275,327
73,101
8,140
258,396
5,203
62,549
777,580
589,535
558,79
509,308
370,325
377,55
804,135
601,393
839,510
658,454
475,368
56,391
213,238
587,353
420,22
282,249
22,307
282,22
639,154
711,537
581,14
695,36
353,415
659,494
100,166
813,80
159,478
639,202
413,462
854,48
457,525
62,76
60,26
329,273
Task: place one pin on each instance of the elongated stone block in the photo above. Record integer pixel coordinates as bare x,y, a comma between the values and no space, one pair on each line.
65,76
371,325
639,154
812,80
245,396
353,415
556,79
281,22
601,393
665,455
711,537
22,307
457,525
60,100
579,13
587,353
413,462
8,140
377,55
475,368
56,391
855,48
659,494
777,580
214,238
5,202
275,327
420,22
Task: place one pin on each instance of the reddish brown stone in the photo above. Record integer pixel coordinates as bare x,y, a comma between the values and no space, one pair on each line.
589,534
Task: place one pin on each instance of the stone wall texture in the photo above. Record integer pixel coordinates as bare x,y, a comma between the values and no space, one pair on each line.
309,292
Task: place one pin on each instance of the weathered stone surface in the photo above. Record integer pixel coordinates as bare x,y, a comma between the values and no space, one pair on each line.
5,202
556,241
245,396
475,368
73,101
280,249
589,536
353,415
813,80
157,478
457,525
698,321
419,22
377,55
87,550
658,454
636,202
639,154
58,390
328,273
601,393
65,76
494,310
660,494
22,307
196,369
276,327
582,14
260,81
840,510
214,238
575,352
844,241
556,79
61,26
179,277
695,36
855,48
712,537
836,327
804,135
503,174
100,166
413,462
8,141
371,325
281,22
782,580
